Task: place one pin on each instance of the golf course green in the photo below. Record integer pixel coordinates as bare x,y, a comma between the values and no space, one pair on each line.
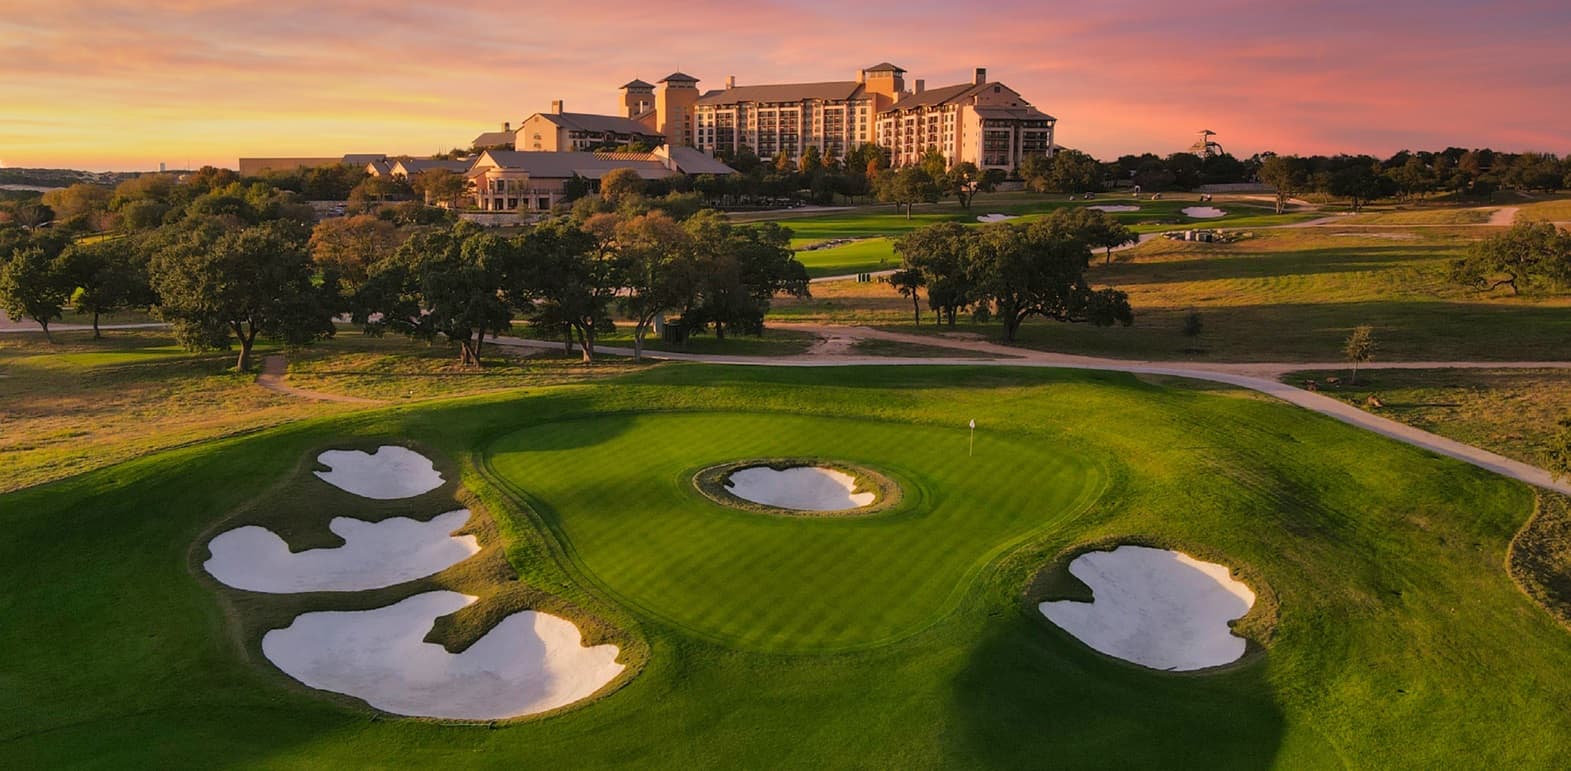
1386,632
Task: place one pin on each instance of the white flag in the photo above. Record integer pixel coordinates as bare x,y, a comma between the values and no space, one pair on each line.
973,422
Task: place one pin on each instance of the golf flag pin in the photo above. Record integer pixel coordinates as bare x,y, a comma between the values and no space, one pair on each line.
971,445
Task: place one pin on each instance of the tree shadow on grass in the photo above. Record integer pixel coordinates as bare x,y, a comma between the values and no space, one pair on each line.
1032,698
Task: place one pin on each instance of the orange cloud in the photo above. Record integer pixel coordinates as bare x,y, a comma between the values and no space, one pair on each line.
85,83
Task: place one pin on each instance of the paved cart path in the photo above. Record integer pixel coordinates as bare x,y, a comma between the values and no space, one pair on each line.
1255,377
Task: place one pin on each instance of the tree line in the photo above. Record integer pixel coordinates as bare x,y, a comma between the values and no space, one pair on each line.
1405,175
239,263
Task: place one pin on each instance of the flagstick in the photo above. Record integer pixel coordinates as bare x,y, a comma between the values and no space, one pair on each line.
971,446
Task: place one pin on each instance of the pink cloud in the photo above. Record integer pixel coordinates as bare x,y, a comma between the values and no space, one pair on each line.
206,81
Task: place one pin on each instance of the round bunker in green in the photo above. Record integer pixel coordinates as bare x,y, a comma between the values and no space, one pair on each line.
618,489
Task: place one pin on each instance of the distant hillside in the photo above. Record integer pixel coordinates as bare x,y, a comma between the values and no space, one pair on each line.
63,177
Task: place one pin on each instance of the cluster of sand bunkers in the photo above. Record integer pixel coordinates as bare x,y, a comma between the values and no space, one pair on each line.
1157,608
528,663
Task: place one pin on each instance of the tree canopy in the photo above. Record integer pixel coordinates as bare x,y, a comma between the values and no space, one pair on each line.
216,280
1530,255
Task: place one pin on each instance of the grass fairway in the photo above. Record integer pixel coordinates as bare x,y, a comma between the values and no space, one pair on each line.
908,639
1283,295
864,256
877,226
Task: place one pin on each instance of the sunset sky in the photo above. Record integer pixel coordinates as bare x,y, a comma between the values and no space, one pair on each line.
125,85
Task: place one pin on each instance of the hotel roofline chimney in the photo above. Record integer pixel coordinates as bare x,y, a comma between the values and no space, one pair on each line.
730,82
981,75
921,85
556,107
507,126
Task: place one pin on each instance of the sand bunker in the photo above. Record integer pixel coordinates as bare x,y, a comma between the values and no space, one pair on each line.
993,217
528,663
390,472
374,555
1114,208
1203,212
1158,608
803,488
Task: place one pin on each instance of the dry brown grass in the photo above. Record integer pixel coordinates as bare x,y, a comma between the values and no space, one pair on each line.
1540,556
1513,412
80,404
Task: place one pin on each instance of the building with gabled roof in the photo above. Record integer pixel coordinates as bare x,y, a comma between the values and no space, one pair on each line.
409,167
560,131
834,116
529,180
988,124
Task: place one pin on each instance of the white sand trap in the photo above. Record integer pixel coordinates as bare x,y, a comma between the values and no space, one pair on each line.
374,555
993,217
1203,212
1114,208
1158,608
529,662
804,488
390,472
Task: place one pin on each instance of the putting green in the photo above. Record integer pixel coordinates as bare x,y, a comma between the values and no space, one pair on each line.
629,514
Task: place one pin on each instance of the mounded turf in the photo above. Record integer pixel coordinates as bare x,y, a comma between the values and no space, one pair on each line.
1399,641
642,531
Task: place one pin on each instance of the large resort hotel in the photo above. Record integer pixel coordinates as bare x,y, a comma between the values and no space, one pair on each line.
988,124
671,127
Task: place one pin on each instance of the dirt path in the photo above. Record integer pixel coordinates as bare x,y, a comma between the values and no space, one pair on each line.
272,378
1504,216
1234,375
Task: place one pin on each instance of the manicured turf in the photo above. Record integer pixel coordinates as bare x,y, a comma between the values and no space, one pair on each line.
877,226
771,583
1399,640
864,256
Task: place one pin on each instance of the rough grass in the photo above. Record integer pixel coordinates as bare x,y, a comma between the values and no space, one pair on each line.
1421,216
79,404
1401,641
1513,412
1540,558
898,348
393,368
1283,295
1554,210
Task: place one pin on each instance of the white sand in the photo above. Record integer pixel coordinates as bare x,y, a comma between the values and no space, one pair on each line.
804,488
529,662
1114,208
1158,608
390,472
993,217
1203,212
374,555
